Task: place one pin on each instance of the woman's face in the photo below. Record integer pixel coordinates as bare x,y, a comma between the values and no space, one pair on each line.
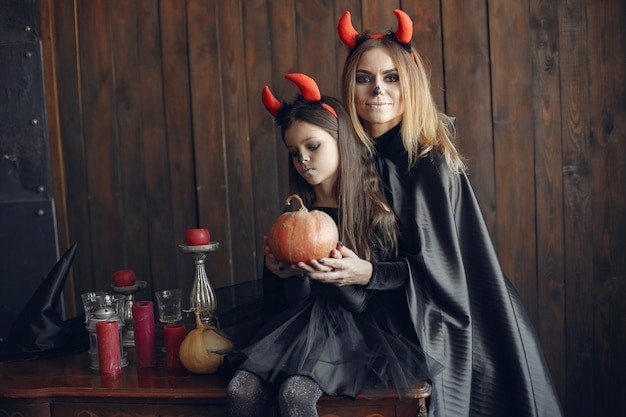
314,153
380,112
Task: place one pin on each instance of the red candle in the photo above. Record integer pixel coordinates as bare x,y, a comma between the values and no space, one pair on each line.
143,322
174,334
108,348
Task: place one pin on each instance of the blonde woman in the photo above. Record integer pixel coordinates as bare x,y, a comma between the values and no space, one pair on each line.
466,313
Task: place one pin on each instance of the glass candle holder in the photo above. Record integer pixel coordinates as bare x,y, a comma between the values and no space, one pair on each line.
202,298
101,315
169,304
92,301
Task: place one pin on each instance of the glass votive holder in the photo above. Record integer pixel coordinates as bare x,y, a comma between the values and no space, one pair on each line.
102,315
92,301
117,302
169,304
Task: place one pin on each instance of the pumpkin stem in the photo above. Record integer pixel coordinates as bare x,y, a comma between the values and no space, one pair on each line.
297,197
198,320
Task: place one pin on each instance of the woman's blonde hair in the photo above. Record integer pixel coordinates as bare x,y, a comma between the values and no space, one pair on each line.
423,128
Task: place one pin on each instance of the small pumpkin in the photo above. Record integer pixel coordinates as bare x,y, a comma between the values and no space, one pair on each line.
203,349
302,235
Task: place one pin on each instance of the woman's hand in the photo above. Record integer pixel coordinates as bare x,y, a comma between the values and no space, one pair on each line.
343,267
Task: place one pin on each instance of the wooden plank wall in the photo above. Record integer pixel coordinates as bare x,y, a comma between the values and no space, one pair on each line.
157,126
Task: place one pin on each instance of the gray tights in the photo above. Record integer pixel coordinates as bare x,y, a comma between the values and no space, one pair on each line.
248,393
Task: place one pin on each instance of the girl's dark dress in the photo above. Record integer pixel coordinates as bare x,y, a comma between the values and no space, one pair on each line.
342,337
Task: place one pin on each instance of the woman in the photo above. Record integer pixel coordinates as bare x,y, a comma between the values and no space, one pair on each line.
466,313
333,340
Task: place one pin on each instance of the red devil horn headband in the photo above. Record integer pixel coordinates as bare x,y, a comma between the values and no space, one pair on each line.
271,103
308,88
349,35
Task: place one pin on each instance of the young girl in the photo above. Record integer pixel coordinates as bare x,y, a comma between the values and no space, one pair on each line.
338,340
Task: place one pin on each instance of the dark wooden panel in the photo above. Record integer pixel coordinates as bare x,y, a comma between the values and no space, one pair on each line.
176,90
283,47
607,106
100,140
128,119
236,143
23,408
468,96
316,34
341,50
263,143
427,38
549,188
160,223
377,16
48,47
206,101
74,169
577,209
69,409
513,148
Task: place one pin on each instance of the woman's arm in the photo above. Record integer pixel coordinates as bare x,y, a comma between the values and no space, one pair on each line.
344,267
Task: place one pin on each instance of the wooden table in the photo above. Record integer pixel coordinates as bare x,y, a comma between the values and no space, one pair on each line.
67,387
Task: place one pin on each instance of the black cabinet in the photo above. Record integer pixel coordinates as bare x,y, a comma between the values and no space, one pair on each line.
28,243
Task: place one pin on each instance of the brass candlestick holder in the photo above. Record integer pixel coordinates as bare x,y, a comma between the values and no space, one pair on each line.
202,298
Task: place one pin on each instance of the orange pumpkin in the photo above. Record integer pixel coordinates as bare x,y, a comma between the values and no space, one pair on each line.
302,235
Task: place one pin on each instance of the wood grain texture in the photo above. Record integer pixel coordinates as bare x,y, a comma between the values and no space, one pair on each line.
101,157
236,143
577,205
607,130
468,96
546,91
178,130
208,136
514,148
132,192
263,141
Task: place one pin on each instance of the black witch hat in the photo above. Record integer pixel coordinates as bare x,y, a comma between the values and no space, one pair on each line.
39,331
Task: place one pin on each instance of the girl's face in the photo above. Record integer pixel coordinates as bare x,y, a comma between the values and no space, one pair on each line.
380,112
314,153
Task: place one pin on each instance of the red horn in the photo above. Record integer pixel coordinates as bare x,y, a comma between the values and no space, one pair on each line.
404,33
271,103
309,89
347,32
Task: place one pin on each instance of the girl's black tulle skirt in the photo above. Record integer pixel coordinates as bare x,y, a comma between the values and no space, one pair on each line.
345,353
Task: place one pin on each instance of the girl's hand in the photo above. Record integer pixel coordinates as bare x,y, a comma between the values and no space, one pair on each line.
344,267
277,267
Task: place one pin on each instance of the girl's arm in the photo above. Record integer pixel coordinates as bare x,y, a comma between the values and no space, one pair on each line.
353,298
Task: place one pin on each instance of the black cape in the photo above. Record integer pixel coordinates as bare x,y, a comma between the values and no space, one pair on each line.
466,313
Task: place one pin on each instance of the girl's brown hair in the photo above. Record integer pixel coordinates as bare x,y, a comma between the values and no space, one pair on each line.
366,223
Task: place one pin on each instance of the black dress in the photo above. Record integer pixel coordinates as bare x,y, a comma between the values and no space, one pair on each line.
342,337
